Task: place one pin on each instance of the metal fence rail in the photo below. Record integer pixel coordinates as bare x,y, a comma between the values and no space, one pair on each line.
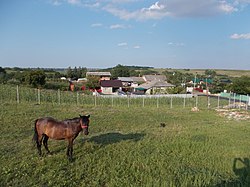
19,94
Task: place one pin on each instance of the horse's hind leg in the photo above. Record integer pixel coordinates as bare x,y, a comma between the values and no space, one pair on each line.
39,145
45,143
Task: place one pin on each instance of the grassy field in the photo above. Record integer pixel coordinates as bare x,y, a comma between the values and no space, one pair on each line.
126,147
228,72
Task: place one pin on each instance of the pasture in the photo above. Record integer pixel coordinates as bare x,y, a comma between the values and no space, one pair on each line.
126,147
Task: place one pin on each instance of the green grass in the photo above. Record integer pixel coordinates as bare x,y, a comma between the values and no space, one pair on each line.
228,72
10,93
126,147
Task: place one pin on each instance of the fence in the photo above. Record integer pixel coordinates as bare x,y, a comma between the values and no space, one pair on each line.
18,94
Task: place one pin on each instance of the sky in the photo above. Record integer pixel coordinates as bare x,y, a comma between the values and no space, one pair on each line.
186,34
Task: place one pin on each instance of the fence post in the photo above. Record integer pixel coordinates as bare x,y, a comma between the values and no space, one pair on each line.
128,101
171,102
229,101
112,100
59,96
247,101
208,102
143,102
218,106
95,100
157,102
184,101
77,98
234,100
17,94
240,103
196,101
38,96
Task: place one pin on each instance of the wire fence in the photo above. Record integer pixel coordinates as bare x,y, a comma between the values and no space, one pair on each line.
19,94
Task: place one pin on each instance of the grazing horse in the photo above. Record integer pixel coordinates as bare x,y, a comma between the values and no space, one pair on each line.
68,129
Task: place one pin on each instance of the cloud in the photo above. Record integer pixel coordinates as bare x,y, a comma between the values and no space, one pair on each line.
122,44
142,10
176,8
153,12
56,2
137,47
125,44
79,3
96,25
74,2
240,36
176,44
117,26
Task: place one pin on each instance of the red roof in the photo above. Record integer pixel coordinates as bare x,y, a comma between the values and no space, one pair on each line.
111,83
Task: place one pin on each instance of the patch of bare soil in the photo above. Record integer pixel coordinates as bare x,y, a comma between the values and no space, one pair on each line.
234,114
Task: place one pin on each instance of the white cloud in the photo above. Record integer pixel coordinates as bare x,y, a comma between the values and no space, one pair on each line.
137,47
161,8
122,44
176,44
117,26
240,36
74,2
56,3
96,25
176,8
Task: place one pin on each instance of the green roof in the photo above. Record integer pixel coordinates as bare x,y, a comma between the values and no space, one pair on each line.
204,80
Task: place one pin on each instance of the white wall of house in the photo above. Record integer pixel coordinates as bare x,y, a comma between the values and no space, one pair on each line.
106,90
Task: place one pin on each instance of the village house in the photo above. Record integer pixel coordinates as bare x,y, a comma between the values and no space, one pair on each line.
130,83
147,84
154,87
110,86
101,75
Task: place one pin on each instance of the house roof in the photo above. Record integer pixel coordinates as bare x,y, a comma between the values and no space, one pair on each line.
98,73
111,83
148,78
131,79
125,79
137,79
156,84
202,80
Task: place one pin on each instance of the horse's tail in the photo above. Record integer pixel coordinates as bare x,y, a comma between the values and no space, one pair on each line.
35,137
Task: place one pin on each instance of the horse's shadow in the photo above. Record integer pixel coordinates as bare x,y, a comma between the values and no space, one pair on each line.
115,137
242,173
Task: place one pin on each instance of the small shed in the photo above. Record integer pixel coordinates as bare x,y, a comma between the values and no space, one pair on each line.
154,87
101,75
150,78
110,86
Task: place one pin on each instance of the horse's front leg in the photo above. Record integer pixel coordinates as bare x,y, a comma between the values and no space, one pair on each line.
70,149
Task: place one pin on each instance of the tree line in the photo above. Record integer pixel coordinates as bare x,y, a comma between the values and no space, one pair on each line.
39,77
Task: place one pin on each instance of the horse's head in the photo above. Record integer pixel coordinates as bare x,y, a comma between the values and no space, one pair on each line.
84,121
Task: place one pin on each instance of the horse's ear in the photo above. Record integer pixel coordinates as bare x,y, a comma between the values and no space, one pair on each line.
80,115
88,116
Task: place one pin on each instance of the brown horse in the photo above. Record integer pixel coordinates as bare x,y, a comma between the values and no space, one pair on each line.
68,129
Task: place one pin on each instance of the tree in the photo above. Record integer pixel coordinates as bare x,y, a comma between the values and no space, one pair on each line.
241,85
120,71
81,72
69,72
93,82
35,78
210,73
2,75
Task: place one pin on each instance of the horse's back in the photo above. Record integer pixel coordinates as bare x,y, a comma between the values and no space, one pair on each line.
51,127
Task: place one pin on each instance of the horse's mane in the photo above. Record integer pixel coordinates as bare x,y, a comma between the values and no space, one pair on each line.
72,120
